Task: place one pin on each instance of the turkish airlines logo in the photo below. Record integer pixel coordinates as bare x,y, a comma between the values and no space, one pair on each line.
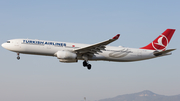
161,43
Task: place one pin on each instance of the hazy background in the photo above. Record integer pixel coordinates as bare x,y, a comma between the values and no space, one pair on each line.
41,78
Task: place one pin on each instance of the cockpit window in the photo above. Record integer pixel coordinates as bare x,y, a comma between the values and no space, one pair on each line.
8,41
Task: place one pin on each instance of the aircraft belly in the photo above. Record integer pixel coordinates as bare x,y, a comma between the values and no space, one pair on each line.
97,57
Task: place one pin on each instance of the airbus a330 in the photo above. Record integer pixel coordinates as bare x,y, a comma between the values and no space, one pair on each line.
72,52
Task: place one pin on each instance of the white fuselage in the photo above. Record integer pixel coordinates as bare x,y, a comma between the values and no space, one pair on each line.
49,48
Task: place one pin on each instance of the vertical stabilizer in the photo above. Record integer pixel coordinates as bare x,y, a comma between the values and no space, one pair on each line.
161,42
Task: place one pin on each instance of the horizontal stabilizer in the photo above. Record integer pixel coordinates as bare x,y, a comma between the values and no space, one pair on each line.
156,53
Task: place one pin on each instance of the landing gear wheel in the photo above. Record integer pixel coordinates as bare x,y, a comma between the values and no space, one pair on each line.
18,57
85,63
89,66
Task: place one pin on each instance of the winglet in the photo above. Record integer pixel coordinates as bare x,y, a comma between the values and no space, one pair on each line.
116,37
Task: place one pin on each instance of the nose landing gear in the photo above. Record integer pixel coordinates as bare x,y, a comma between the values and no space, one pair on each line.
18,57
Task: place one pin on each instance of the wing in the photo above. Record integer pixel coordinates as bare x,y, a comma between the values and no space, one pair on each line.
95,48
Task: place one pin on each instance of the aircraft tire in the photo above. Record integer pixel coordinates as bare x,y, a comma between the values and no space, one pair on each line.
18,57
85,63
89,66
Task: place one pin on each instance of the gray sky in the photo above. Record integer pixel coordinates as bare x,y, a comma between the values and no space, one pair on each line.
41,78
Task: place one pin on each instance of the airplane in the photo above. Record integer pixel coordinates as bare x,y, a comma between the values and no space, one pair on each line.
72,52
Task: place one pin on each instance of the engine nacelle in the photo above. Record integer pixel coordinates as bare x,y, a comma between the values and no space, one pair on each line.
66,55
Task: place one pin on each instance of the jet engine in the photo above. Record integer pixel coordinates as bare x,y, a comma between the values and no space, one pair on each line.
66,56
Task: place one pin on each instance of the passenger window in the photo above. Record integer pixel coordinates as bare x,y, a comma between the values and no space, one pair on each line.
8,41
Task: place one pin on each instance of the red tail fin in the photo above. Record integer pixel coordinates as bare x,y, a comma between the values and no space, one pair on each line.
161,42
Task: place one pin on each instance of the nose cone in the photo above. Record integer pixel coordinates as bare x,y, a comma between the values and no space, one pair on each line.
3,45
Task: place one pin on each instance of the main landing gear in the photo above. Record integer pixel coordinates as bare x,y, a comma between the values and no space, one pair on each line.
86,64
18,57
